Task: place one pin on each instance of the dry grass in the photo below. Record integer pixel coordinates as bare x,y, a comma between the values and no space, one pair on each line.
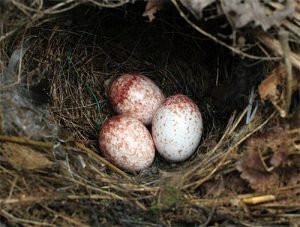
70,60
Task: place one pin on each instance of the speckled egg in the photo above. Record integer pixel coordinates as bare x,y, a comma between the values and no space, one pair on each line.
177,128
127,143
136,96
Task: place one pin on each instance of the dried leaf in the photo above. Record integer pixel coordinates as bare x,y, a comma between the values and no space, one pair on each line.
292,177
152,7
242,12
253,169
275,147
196,6
283,142
23,157
280,142
212,188
224,185
271,87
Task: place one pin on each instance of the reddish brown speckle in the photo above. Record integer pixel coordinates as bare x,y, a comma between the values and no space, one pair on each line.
177,128
127,143
136,96
180,103
120,88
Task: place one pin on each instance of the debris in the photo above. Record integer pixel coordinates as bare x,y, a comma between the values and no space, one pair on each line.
253,169
196,6
19,113
224,185
251,110
266,163
242,12
273,87
152,7
23,157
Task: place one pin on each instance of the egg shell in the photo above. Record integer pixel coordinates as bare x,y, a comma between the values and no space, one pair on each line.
177,128
136,96
127,143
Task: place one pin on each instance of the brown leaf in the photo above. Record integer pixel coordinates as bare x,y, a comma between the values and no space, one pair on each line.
224,185
275,146
283,142
280,143
23,157
291,175
212,188
253,169
152,7
271,87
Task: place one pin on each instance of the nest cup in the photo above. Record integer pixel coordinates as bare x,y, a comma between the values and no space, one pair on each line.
91,53
84,55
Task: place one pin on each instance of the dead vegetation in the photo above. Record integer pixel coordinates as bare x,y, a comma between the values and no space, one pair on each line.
57,56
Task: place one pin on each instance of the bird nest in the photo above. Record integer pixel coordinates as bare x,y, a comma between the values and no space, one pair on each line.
239,63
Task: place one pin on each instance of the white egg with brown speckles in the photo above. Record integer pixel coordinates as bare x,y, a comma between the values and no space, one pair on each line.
127,143
135,95
177,128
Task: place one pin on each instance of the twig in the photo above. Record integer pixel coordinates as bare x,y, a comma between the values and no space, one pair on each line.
231,126
275,46
284,40
13,186
254,200
217,40
7,34
24,221
197,183
37,199
72,221
108,5
21,140
102,160
216,147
